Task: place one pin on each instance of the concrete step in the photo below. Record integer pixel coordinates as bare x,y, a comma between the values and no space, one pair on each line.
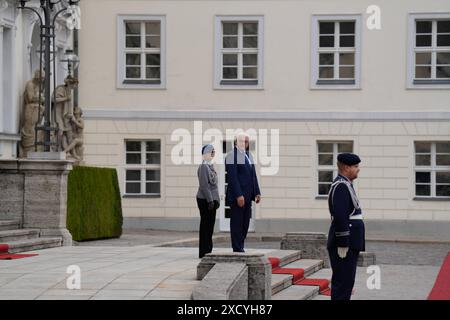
322,274
280,282
285,256
309,265
297,293
7,236
33,244
9,224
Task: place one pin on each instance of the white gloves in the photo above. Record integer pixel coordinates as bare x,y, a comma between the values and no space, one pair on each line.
342,252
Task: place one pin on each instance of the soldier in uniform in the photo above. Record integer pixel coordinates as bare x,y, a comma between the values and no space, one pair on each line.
346,235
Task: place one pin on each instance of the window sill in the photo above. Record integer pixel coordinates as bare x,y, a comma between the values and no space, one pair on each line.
322,197
152,82
335,82
239,82
141,196
431,82
431,198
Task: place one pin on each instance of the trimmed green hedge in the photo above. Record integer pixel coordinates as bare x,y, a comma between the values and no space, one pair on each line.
94,207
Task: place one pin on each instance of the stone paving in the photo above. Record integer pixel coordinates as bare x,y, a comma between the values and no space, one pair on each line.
135,267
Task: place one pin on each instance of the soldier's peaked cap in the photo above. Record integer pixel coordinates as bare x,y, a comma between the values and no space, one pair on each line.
349,159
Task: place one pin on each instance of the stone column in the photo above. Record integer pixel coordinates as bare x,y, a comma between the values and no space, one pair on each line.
11,195
312,244
45,196
259,271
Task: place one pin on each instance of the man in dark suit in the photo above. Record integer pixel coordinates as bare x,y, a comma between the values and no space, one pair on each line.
242,189
346,235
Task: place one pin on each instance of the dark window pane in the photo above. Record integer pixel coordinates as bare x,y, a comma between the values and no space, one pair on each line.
423,58
423,26
423,190
250,28
133,59
325,176
133,41
230,28
133,146
443,191
133,158
250,42
443,26
230,42
325,147
133,175
443,72
152,187
153,73
443,40
250,59
423,160
423,72
230,73
326,72
443,160
347,41
133,187
153,158
423,41
443,147
423,177
345,147
153,41
133,72
154,145
133,28
346,72
230,59
442,58
326,27
153,59
250,73
347,27
326,41
347,59
422,147
325,159
153,28
443,177
153,175
326,58
324,189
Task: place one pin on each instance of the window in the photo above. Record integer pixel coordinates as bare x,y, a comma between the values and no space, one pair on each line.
429,45
432,169
336,52
141,52
239,47
327,163
143,168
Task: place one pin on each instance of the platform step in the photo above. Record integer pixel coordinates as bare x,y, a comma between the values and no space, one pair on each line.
280,282
297,293
285,256
9,225
34,244
309,265
7,236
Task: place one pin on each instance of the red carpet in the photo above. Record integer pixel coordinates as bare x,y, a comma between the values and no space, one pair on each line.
441,289
275,262
323,284
5,255
298,274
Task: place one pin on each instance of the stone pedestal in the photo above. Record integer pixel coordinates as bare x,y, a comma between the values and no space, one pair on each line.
39,195
259,271
313,245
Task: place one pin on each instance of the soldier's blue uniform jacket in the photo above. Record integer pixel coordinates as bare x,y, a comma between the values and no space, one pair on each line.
343,204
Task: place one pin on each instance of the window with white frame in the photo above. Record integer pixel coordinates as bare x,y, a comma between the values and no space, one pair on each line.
239,45
336,51
432,169
429,43
327,153
141,47
143,167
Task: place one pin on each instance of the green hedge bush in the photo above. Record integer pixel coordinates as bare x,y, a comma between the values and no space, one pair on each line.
94,208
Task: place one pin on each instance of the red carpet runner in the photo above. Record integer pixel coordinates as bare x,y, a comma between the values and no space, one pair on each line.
441,289
5,255
299,277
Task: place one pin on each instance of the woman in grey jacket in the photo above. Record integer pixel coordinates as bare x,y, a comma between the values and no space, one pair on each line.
207,200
